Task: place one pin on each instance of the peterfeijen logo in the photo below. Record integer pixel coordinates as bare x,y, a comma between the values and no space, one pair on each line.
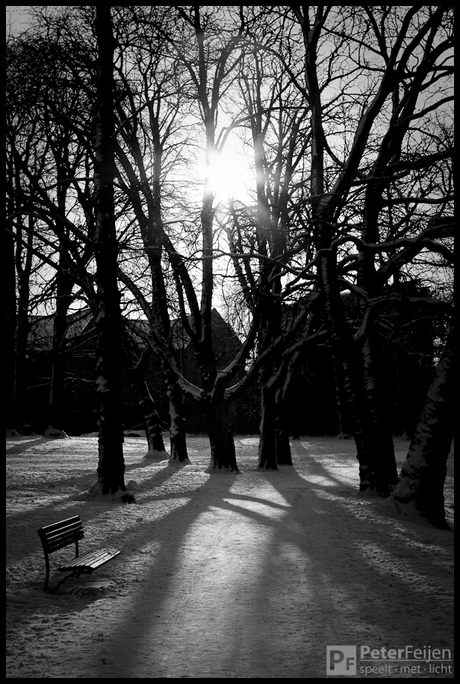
341,660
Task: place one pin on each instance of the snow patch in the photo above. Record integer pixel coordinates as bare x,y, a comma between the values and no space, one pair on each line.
214,571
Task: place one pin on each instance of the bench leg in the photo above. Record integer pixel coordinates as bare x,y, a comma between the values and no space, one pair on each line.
47,578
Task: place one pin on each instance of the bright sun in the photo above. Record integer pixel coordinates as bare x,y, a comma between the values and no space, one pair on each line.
230,176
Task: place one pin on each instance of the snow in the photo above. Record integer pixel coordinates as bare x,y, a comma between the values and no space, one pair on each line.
241,575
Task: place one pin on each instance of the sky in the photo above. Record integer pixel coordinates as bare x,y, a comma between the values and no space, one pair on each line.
16,18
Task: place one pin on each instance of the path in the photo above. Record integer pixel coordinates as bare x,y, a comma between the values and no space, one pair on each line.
245,576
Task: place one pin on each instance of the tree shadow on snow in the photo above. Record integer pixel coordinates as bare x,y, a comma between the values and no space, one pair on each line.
312,569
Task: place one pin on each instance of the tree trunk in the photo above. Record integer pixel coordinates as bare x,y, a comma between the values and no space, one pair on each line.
270,328
373,362
349,378
420,492
152,423
111,466
223,455
21,408
56,411
282,443
177,432
267,440
374,396
10,319
282,432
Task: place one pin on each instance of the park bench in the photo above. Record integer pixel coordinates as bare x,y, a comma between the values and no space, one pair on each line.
63,533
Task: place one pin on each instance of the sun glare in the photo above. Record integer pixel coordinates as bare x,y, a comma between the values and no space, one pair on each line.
229,176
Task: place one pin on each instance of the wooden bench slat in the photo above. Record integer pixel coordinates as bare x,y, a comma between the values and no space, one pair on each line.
91,560
74,520
60,542
58,535
69,531
67,525
66,531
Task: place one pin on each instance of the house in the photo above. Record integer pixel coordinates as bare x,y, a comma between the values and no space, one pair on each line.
79,388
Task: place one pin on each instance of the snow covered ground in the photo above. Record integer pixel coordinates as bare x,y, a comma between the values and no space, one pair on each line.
249,576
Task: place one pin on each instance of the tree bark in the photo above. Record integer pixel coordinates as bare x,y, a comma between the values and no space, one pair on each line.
374,395
111,465
419,493
283,423
152,423
21,409
223,455
10,316
177,432
267,440
349,374
274,445
282,445
56,412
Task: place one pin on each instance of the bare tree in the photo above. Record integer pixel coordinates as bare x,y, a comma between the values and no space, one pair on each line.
49,164
148,111
262,237
209,67
347,113
111,466
22,144
411,58
203,68
420,490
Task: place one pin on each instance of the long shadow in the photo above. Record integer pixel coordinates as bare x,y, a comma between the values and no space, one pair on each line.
325,552
301,537
375,600
24,445
173,528
45,514
52,444
292,553
160,473
216,494
85,479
